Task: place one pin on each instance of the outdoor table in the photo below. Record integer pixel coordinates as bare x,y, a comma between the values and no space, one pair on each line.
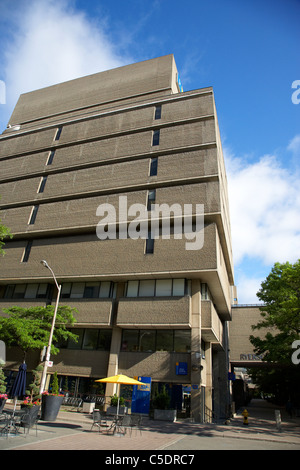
12,421
113,423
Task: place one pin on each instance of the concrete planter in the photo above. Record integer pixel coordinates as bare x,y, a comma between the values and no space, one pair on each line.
165,415
50,407
88,407
112,410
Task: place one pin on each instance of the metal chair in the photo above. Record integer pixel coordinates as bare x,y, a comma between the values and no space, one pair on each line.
136,422
29,420
96,419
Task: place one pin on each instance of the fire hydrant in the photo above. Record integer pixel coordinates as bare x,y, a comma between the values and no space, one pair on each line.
245,414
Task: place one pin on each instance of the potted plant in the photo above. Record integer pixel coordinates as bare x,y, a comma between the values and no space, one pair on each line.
51,402
33,401
161,407
113,408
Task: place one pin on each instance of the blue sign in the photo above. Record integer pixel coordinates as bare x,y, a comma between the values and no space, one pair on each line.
141,396
181,368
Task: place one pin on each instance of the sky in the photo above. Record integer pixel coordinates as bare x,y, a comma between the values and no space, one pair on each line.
248,51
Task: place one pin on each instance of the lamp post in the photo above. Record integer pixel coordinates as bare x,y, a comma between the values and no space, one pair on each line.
48,350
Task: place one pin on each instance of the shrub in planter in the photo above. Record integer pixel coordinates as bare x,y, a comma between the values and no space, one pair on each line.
112,409
51,402
161,407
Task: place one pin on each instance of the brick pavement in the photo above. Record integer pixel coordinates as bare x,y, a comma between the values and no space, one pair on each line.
72,431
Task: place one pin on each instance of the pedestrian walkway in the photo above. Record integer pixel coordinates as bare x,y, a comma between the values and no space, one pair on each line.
72,431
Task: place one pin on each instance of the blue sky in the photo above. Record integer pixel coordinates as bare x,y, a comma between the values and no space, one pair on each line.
247,50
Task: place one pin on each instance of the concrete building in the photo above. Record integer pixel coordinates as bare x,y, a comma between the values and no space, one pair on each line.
146,307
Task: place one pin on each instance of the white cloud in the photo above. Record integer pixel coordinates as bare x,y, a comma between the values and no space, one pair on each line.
264,200
264,206
53,43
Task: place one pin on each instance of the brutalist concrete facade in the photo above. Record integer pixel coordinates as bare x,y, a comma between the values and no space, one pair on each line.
128,132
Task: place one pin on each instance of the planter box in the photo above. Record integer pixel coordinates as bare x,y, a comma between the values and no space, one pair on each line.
50,407
165,415
112,410
88,407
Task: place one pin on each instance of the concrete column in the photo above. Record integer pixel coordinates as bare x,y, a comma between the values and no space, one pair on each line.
209,376
196,405
113,361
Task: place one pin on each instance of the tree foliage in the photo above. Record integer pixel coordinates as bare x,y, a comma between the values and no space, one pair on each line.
280,293
29,328
4,233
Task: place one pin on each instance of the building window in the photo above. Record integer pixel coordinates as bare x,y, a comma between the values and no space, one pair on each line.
157,114
151,199
156,288
27,252
149,245
156,340
42,184
86,290
27,291
153,166
155,137
33,215
50,157
58,133
90,339
205,293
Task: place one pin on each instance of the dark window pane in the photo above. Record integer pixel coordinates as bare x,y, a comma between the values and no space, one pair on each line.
164,340
182,341
90,339
147,340
130,340
104,340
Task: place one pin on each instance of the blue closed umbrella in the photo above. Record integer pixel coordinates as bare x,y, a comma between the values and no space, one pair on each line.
18,388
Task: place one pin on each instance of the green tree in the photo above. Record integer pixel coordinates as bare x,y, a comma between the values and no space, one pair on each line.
2,381
280,293
29,328
4,233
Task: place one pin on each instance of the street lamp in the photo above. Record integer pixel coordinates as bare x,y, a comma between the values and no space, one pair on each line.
44,374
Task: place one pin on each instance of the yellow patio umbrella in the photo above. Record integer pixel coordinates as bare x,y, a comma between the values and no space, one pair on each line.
120,379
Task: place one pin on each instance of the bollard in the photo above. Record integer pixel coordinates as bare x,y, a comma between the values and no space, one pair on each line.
278,420
245,414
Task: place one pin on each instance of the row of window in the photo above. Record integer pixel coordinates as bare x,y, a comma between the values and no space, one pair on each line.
75,290
104,289
91,339
156,340
156,288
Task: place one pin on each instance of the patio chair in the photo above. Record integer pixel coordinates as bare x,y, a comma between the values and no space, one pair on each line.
125,423
96,419
136,422
29,420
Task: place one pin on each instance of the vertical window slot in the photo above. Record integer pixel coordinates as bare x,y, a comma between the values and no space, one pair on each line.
151,199
149,245
153,166
155,137
58,132
33,215
27,252
50,158
42,184
157,114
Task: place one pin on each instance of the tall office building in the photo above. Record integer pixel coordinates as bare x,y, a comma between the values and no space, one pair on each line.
78,161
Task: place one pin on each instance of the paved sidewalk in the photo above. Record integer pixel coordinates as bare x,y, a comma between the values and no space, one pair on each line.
72,431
